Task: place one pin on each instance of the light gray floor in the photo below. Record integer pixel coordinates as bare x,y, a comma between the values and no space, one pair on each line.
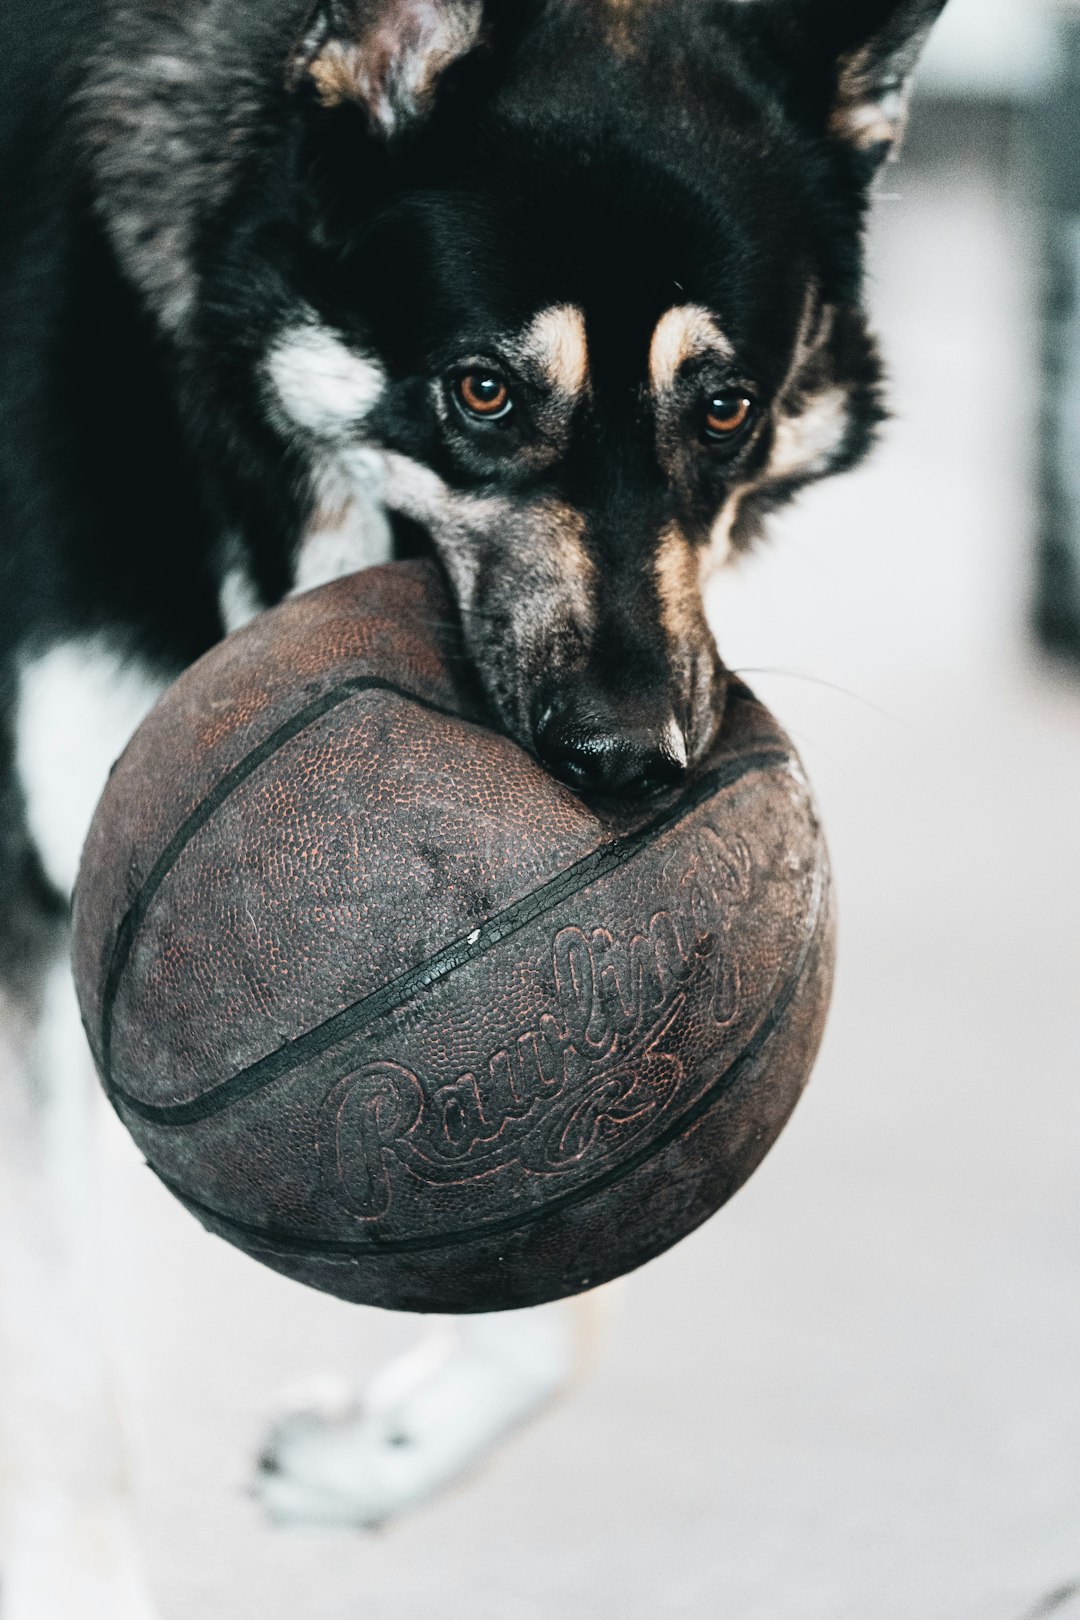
856,1394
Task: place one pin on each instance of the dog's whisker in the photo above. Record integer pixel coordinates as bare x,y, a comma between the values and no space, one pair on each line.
827,685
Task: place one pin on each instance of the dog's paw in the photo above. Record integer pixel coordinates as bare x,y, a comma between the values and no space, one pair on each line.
67,1560
428,1419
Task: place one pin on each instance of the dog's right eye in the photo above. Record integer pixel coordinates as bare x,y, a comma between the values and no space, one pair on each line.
484,395
726,415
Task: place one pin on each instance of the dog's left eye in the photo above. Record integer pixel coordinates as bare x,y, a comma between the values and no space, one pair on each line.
484,395
726,415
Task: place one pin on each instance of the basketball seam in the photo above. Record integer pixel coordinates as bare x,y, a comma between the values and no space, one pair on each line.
459,953
207,808
334,1249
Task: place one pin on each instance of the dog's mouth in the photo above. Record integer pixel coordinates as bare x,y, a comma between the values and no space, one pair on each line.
592,722
612,692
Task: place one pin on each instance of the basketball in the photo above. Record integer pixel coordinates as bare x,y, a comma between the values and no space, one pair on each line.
405,1018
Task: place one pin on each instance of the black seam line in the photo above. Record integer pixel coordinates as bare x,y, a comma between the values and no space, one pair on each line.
337,1249
134,917
389,997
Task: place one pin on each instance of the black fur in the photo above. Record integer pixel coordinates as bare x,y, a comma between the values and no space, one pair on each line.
176,192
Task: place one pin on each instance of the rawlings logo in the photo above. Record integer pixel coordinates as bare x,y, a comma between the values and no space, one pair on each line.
591,1073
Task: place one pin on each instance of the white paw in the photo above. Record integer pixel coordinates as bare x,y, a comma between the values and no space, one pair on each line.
66,1560
427,1419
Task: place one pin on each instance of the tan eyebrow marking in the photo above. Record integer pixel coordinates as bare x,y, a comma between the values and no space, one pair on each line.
684,332
555,342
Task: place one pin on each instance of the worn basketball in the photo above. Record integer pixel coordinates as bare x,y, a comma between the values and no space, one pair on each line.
405,1018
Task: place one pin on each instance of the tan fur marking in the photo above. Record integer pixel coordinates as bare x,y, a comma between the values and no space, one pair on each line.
562,528
395,67
685,332
449,35
556,343
866,114
338,73
678,584
679,569
621,21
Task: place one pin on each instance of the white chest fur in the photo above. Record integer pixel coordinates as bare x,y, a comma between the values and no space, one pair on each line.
78,704
349,529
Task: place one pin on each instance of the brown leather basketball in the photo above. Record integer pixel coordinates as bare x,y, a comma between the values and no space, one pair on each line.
405,1018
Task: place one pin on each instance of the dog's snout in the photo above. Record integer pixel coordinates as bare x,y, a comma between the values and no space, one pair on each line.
600,752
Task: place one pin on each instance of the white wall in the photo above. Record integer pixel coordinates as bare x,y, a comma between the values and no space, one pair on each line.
993,47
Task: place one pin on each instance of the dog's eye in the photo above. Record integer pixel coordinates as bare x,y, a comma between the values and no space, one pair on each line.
484,394
727,414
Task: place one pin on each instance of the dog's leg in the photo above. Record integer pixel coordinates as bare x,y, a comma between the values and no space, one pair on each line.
65,1542
430,1417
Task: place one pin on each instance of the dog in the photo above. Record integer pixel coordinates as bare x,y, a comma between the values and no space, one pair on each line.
567,293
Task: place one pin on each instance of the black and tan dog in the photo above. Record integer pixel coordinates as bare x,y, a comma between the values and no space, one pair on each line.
568,290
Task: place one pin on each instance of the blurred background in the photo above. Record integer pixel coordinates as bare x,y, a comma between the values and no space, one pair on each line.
856,1394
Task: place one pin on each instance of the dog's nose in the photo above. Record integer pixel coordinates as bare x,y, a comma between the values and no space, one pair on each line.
621,761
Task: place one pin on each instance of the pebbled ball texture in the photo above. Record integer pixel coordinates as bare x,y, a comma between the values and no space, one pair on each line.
403,1017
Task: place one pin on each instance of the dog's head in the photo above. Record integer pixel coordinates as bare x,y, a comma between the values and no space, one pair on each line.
588,275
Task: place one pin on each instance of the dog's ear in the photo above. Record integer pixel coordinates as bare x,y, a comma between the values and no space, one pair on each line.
384,56
850,63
